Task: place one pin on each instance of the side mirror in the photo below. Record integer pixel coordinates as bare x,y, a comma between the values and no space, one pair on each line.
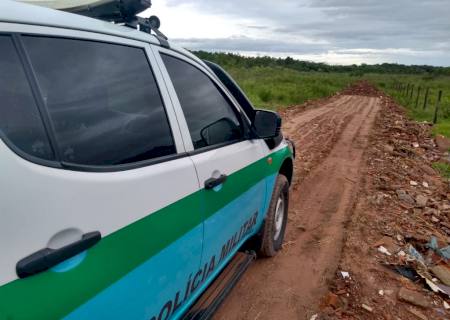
267,124
220,131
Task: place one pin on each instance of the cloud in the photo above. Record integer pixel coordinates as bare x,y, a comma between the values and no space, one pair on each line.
398,31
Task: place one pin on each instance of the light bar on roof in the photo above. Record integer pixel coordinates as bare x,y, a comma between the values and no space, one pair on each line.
66,4
118,11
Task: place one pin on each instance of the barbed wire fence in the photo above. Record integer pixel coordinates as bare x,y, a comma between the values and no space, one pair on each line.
419,97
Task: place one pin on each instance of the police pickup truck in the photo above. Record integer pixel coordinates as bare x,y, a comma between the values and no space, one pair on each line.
136,180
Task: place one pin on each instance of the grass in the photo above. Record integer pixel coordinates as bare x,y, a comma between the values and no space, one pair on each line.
277,87
442,127
443,169
387,82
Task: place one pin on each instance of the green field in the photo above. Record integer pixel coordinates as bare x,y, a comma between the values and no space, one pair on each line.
275,87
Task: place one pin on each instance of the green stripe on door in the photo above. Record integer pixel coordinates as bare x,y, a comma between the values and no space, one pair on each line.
243,180
51,295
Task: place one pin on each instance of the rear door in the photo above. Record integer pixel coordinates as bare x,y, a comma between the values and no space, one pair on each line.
231,167
90,142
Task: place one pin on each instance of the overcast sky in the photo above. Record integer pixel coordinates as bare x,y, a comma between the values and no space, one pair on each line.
332,31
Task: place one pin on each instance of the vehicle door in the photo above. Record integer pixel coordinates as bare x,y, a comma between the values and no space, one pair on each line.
91,147
230,166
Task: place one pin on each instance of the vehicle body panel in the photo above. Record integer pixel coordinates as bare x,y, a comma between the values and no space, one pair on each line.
53,295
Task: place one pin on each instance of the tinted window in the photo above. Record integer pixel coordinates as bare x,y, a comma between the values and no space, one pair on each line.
20,121
233,88
209,115
103,101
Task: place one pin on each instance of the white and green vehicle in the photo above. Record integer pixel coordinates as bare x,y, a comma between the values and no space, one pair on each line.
131,172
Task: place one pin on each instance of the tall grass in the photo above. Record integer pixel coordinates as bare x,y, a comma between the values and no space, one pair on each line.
276,87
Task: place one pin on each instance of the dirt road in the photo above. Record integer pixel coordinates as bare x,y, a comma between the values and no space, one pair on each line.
330,139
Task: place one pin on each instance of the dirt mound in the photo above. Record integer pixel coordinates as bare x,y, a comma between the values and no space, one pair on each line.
362,88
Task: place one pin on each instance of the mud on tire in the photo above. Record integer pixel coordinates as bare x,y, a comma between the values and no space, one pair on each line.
272,232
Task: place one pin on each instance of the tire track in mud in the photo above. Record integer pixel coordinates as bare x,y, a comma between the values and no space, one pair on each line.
330,141
316,137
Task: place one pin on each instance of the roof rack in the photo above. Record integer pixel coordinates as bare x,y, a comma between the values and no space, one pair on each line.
123,12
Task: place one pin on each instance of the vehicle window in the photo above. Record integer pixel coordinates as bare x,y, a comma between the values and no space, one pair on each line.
209,115
103,101
233,88
20,120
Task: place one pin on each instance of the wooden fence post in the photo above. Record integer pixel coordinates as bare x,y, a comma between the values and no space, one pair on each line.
418,96
411,93
407,90
436,109
425,101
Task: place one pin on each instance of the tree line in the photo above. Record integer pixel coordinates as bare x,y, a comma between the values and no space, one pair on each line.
235,60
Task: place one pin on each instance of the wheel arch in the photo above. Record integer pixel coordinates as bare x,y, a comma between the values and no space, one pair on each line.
287,169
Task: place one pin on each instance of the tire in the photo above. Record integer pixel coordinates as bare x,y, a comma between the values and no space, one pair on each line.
272,232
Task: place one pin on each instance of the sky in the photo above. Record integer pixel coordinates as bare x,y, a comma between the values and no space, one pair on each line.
330,31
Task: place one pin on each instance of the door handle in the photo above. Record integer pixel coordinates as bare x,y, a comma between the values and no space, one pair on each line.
47,258
214,182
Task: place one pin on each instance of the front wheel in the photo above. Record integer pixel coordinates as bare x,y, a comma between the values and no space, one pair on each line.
272,232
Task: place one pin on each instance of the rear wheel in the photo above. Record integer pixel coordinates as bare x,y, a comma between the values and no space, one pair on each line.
272,232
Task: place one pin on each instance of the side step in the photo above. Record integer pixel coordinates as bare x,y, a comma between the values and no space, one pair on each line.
210,300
